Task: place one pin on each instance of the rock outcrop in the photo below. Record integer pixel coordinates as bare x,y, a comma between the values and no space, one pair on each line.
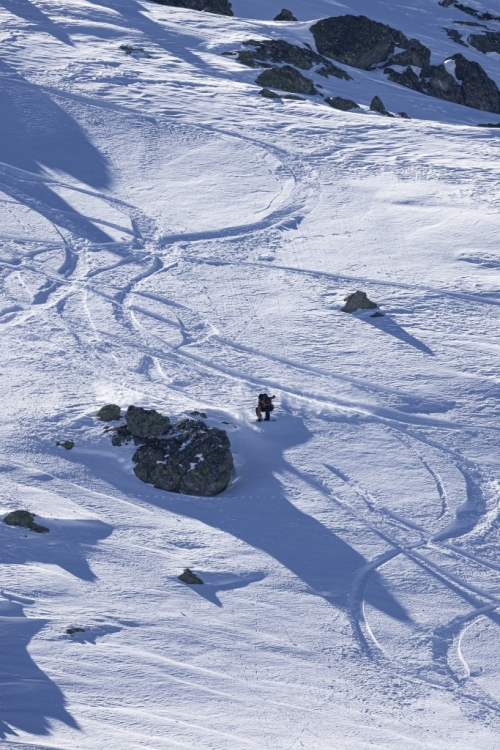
146,423
357,301
416,54
377,105
109,413
357,41
193,460
25,519
220,7
286,78
337,102
407,78
269,52
489,42
478,90
285,15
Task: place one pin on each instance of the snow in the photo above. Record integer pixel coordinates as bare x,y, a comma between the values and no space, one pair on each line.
169,239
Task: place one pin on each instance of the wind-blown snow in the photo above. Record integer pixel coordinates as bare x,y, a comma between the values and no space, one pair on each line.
172,240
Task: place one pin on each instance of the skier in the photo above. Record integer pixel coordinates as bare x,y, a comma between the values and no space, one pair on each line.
265,405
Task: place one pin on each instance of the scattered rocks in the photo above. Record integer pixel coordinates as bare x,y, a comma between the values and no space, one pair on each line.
275,51
357,40
72,631
193,460
456,36
470,11
109,413
189,577
24,519
220,7
287,78
357,301
121,435
67,445
337,102
146,423
285,15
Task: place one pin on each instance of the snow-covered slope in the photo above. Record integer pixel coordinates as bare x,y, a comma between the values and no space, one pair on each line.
170,239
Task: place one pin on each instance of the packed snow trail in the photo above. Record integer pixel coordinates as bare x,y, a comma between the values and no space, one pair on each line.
172,240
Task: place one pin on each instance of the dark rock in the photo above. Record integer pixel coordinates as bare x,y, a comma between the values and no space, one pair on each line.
377,105
269,95
189,577
276,51
489,125
408,78
293,97
24,519
489,42
220,7
470,11
201,414
479,91
146,423
456,36
285,15
442,85
416,54
286,78
404,115
356,40
121,435
109,413
357,301
72,631
377,315
67,445
193,459
337,102
128,49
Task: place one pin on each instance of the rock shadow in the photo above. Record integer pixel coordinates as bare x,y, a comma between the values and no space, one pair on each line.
29,141
389,326
29,12
256,510
215,582
29,700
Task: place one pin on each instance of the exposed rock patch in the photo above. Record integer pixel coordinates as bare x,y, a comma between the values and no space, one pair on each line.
268,94
357,301
478,90
456,36
415,53
72,631
286,78
482,16
25,519
109,413
357,40
285,15
275,51
489,42
146,423
377,105
407,78
189,577
67,444
220,7
337,102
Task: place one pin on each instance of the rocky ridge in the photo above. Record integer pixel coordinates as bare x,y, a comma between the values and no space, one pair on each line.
220,7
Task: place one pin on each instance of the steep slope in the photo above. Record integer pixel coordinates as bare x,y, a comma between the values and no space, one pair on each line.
172,239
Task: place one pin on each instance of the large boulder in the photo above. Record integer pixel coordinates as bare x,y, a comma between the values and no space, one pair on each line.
479,91
489,42
285,15
109,413
146,423
286,78
443,85
356,40
277,51
194,460
338,102
220,7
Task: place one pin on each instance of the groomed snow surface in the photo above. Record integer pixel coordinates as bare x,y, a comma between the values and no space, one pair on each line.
170,239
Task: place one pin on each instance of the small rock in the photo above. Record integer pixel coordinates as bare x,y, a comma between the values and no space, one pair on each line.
377,315
128,49
67,445
285,15
404,115
72,631
189,577
146,423
24,519
294,97
268,94
121,435
288,79
377,105
201,414
108,413
337,102
357,301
